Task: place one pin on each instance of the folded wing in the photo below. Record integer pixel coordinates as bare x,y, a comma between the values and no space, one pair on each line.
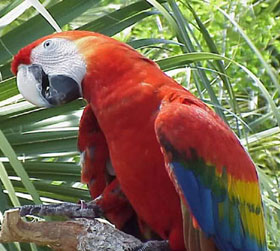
213,174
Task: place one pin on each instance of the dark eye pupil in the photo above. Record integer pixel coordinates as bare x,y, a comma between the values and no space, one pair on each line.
47,44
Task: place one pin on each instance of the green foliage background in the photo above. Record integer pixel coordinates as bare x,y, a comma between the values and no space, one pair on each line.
226,52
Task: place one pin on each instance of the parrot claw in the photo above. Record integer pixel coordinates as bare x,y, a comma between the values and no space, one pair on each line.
153,246
88,210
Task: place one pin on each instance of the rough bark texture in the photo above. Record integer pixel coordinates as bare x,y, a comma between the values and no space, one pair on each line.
79,234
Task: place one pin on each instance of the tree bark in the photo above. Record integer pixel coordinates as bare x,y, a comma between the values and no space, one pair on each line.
79,234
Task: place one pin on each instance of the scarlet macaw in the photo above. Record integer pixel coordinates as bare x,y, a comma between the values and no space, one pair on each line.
179,165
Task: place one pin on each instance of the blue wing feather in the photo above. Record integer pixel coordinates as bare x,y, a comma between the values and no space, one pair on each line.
198,197
227,231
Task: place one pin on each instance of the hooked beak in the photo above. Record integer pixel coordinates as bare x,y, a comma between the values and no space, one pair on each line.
46,90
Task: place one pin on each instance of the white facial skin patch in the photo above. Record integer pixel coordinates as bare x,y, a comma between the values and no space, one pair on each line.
59,56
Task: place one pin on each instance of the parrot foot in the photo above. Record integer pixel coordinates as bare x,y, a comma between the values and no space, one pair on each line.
88,210
153,246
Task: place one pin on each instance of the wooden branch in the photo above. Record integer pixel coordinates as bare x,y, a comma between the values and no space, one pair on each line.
79,234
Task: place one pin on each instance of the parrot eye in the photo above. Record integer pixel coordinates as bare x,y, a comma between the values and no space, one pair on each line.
47,44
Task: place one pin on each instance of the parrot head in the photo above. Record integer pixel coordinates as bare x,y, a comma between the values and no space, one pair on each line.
50,70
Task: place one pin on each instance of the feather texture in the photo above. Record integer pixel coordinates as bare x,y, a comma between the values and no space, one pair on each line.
94,154
213,174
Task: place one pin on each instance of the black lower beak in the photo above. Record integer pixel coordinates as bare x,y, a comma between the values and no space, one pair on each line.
56,89
60,89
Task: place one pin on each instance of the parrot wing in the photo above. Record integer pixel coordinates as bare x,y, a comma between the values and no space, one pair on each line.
97,171
213,174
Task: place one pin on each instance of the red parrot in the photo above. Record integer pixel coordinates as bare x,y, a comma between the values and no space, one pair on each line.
180,167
